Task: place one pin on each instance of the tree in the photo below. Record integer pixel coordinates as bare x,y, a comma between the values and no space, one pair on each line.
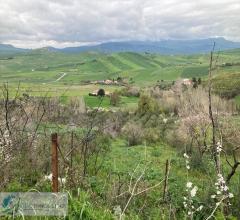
195,82
101,92
119,79
115,98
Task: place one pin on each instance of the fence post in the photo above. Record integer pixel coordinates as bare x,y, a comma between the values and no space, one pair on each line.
71,156
165,188
54,138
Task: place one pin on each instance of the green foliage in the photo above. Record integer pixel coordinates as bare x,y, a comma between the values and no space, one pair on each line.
101,92
151,135
147,105
82,208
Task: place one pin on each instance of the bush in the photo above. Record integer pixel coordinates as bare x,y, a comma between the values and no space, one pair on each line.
134,133
151,135
115,98
146,104
131,91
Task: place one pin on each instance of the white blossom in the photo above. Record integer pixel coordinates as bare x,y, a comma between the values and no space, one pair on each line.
188,202
219,147
230,195
193,191
49,177
200,208
225,188
189,184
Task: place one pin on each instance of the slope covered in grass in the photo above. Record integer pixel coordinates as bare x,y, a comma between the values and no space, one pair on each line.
143,69
227,85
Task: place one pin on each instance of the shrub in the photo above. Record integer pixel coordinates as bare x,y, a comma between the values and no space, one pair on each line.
151,135
134,133
147,104
115,98
131,91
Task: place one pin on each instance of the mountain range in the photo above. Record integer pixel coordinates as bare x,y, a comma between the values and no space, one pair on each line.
168,47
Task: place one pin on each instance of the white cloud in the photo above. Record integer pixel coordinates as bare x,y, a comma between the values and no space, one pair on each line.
30,23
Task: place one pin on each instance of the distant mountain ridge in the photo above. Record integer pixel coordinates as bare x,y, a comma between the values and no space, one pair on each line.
167,47
9,49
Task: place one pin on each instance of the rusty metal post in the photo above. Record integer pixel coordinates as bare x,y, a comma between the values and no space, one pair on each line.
165,188
54,162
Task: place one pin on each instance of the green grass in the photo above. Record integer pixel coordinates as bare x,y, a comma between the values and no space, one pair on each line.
237,99
93,102
191,72
227,84
38,70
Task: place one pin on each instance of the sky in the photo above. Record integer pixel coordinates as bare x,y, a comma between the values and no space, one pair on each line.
63,23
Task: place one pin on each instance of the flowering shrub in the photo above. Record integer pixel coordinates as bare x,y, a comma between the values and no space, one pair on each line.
221,194
191,190
188,200
222,191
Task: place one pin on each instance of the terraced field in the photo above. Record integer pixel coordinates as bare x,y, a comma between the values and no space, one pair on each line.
42,70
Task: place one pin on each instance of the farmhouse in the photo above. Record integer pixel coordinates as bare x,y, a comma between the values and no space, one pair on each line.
187,82
105,82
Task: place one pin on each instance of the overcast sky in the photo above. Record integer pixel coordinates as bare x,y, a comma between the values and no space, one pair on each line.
61,23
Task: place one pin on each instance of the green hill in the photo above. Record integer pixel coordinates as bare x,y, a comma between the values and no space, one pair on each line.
56,69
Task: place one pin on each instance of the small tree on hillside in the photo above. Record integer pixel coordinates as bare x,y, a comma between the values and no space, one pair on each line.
195,82
115,98
101,92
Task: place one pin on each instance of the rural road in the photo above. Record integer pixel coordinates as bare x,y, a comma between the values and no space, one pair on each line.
63,74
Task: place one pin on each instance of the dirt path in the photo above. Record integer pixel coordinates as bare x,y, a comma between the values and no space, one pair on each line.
63,74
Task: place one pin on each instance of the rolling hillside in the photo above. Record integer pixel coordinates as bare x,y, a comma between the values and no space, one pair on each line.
45,66
48,68
6,49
